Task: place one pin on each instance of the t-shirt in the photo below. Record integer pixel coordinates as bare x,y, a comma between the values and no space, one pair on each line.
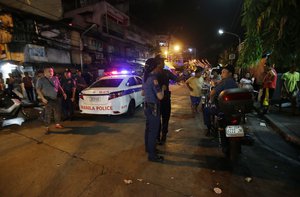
225,84
268,82
49,87
68,85
291,80
27,82
164,78
196,84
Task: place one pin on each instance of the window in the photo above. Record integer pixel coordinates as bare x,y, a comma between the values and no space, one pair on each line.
107,83
131,82
139,80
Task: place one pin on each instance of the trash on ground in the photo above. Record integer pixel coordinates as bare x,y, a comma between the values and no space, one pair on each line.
140,180
128,181
148,183
172,177
262,124
177,130
248,179
217,190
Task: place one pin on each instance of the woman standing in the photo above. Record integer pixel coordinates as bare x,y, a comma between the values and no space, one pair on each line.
153,94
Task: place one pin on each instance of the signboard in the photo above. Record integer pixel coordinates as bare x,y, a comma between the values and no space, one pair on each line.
35,53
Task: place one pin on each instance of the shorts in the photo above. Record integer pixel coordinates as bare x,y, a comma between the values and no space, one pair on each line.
195,100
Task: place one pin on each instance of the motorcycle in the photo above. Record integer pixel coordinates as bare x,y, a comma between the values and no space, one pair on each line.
9,110
14,111
233,105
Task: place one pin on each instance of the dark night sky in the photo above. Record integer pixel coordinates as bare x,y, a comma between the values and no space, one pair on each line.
196,22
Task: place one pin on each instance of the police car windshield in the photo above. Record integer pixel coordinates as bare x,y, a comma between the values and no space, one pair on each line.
107,83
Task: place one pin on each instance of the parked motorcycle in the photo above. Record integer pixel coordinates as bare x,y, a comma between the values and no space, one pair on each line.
14,111
9,110
233,105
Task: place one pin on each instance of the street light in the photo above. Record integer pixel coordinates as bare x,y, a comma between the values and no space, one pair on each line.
81,44
177,48
221,31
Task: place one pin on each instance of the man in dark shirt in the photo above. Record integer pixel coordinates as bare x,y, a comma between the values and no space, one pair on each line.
80,85
28,85
164,76
227,82
69,86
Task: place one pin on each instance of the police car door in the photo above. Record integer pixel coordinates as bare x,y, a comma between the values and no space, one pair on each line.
132,92
140,98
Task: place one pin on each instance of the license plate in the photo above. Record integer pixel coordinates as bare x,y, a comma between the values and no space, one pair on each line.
234,131
95,99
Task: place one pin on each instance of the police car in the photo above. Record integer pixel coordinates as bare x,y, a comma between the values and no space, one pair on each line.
112,95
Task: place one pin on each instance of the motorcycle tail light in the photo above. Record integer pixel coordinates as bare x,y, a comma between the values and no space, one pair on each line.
234,121
237,96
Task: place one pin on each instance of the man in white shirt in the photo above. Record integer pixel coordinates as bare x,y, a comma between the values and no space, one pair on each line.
195,84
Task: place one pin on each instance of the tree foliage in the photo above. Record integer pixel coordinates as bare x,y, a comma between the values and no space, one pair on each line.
271,26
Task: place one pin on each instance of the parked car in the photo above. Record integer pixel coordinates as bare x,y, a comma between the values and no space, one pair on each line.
112,95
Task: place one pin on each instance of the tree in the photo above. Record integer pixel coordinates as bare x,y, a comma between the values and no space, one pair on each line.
271,26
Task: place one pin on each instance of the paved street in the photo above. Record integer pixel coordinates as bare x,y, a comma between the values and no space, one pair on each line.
93,156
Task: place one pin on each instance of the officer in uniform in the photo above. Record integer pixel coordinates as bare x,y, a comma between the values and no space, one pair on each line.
164,78
153,94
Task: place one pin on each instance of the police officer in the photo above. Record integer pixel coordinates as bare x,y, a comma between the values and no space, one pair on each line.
153,94
164,77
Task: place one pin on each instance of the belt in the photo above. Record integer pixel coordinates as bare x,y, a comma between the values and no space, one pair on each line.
151,105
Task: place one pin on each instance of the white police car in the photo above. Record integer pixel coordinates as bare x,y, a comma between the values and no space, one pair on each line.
112,95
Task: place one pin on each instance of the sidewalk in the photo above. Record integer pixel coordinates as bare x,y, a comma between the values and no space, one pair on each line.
286,124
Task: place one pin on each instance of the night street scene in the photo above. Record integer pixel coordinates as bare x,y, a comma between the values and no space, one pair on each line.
149,98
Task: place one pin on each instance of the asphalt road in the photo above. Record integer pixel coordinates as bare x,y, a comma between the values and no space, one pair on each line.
96,155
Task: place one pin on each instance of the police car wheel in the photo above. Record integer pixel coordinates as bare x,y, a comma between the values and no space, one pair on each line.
131,108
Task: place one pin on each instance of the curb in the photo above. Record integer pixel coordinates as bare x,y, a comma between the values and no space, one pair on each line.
283,131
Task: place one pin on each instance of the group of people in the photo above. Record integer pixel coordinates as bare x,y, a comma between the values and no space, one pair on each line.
263,89
289,87
59,94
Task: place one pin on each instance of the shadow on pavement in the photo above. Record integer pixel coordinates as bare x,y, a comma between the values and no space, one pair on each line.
84,131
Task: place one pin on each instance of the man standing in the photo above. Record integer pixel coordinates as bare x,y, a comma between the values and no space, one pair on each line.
47,89
164,76
153,94
290,86
195,85
80,85
69,86
2,85
28,85
269,85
